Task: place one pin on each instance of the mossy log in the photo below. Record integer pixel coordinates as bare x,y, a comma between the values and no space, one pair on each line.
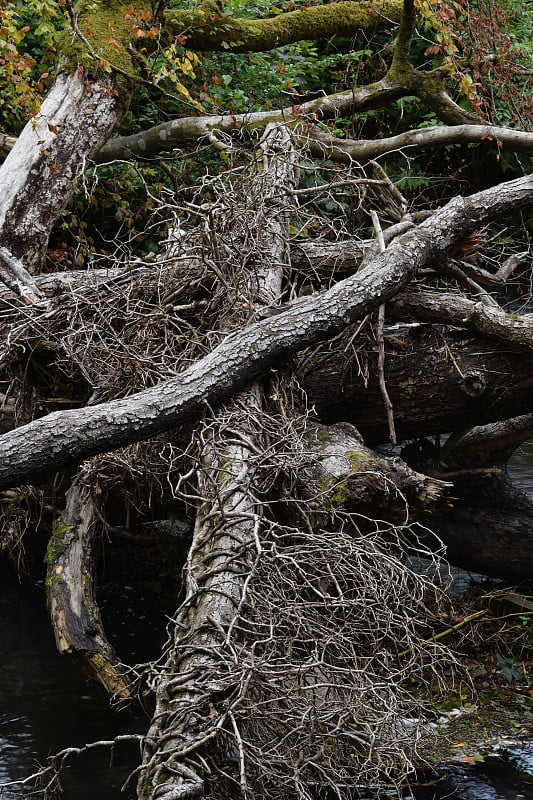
344,474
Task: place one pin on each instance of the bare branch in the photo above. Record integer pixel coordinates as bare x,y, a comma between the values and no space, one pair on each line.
67,436
414,141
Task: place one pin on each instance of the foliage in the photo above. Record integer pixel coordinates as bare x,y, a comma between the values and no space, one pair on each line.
486,47
29,30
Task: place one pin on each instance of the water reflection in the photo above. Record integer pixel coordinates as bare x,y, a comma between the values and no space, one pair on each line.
521,467
506,776
45,704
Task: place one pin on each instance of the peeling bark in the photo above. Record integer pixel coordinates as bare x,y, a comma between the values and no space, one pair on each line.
39,175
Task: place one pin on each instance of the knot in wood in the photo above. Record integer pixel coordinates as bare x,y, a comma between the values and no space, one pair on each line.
473,383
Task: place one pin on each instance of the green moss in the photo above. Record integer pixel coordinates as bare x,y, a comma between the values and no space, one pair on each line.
335,491
102,23
54,550
56,544
210,31
359,458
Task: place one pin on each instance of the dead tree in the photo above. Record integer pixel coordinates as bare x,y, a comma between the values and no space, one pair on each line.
242,375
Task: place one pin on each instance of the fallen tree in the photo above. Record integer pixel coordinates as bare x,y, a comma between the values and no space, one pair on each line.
246,372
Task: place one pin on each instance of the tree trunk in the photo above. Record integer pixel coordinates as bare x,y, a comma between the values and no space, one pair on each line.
39,175
64,438
438,380
489,530
227,520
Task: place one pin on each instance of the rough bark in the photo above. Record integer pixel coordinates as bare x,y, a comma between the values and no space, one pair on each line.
65,437
227,520
40,173
69,586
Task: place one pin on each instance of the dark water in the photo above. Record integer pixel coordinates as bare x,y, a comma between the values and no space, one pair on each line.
46,705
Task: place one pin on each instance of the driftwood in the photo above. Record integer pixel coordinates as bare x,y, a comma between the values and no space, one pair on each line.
227,518
48,159
286,665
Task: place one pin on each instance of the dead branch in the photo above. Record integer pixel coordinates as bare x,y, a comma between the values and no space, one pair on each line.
70,575
65,437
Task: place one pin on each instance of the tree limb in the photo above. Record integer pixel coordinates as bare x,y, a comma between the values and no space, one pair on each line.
207,28
412,142
69,586
454,309
65,437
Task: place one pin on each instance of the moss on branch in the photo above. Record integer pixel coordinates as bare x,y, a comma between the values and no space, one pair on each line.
103,35
207,28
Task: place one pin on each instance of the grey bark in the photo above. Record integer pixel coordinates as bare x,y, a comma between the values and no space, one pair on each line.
439,381
344,474
65,437
40,173
227,518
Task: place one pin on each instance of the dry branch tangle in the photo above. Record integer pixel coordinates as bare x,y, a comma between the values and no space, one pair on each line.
66,437
229,513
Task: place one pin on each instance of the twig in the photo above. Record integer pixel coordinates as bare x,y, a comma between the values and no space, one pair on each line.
16,277
381,342
451,629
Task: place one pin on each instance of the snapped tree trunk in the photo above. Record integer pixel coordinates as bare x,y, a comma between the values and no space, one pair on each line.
69,587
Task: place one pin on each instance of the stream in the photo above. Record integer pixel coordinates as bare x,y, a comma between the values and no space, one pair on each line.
46,705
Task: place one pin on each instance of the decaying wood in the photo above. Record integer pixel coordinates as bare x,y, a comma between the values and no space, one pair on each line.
226,523
69,585
343,473
40,173
439,381
65,437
